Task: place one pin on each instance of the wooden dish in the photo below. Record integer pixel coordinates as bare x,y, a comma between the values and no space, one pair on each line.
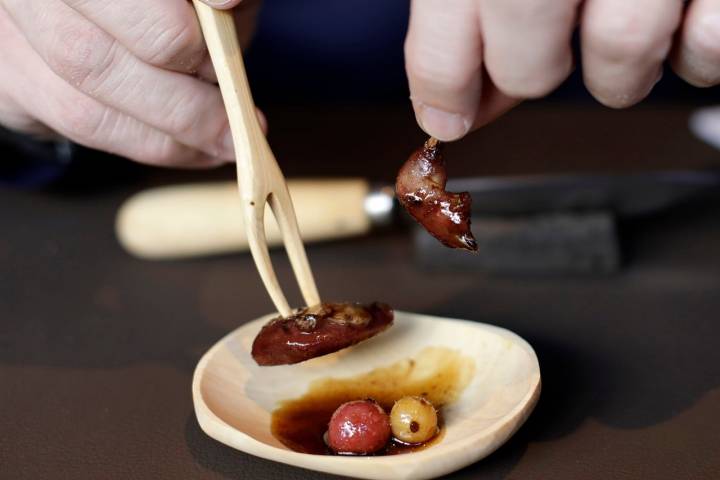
234,398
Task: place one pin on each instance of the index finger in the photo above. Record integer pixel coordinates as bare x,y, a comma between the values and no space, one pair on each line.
164,33
443,59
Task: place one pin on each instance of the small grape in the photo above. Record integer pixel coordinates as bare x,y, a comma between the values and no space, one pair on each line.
358,427
413,420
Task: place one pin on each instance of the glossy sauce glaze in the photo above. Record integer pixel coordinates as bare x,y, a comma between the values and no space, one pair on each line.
318,330
420,188
438,374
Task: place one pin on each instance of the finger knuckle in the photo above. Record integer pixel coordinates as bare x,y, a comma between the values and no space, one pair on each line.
15,118
174,44
163,151
81,56
158,152
625,36
453,79
83,120
183,117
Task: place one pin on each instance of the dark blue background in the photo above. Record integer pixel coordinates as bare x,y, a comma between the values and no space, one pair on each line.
330,51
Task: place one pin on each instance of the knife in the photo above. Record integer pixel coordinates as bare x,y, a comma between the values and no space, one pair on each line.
204,219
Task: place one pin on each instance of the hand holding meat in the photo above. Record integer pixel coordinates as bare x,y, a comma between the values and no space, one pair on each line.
469,61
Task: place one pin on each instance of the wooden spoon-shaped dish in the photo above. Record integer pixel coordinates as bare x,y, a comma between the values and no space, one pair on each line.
234,398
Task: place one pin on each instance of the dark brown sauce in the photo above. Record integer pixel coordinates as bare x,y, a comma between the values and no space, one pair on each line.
396,447
436,373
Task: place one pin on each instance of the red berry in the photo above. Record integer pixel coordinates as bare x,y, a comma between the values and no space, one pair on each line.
359,427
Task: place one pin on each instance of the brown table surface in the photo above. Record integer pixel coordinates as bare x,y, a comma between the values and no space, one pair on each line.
97,349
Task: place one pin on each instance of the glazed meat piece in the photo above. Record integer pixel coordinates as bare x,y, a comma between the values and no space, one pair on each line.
420,188
315,331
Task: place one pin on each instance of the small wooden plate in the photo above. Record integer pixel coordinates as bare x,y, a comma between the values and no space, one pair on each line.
234,398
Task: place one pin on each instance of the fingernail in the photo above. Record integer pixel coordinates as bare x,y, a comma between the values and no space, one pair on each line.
442,125
219,3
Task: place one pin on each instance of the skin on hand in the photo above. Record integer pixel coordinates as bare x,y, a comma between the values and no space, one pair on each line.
128,77
138,81
469,61
696,55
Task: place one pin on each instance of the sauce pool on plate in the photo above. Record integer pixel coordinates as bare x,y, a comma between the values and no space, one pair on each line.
438,374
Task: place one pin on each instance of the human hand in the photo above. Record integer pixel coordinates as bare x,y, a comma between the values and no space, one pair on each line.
468,61
124,76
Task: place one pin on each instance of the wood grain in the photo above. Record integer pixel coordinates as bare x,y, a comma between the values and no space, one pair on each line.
182,221
259,177
234,398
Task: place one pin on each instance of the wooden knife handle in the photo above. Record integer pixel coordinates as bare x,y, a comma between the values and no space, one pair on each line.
205,219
